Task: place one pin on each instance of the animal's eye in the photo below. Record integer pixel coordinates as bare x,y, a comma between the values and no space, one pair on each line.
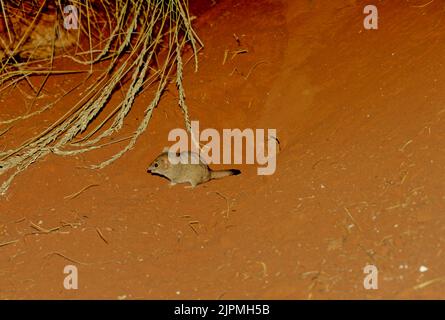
156,165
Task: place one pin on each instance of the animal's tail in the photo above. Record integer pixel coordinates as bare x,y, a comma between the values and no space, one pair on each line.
218,174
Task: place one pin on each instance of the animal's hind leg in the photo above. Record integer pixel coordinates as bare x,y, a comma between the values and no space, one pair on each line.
193,184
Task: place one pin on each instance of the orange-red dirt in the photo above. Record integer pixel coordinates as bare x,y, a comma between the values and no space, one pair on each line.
360,175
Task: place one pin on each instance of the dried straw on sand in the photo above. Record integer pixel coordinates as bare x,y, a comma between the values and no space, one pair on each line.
141,42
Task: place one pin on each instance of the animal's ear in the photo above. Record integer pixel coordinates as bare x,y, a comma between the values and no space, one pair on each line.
165,149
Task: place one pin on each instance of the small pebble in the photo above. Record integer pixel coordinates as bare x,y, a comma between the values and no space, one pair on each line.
423,269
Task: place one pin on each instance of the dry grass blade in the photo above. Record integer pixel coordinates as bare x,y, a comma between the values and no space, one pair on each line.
101,235
428,283
47,231
8,242
76,194
65,257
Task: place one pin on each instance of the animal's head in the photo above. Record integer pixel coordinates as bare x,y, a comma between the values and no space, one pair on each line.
160,165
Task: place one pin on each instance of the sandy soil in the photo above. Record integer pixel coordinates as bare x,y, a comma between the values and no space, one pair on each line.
359,180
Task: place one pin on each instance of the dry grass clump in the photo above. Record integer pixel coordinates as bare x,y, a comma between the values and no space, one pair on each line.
141,43
22,37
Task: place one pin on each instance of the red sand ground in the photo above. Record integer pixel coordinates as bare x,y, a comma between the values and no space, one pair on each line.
360,175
